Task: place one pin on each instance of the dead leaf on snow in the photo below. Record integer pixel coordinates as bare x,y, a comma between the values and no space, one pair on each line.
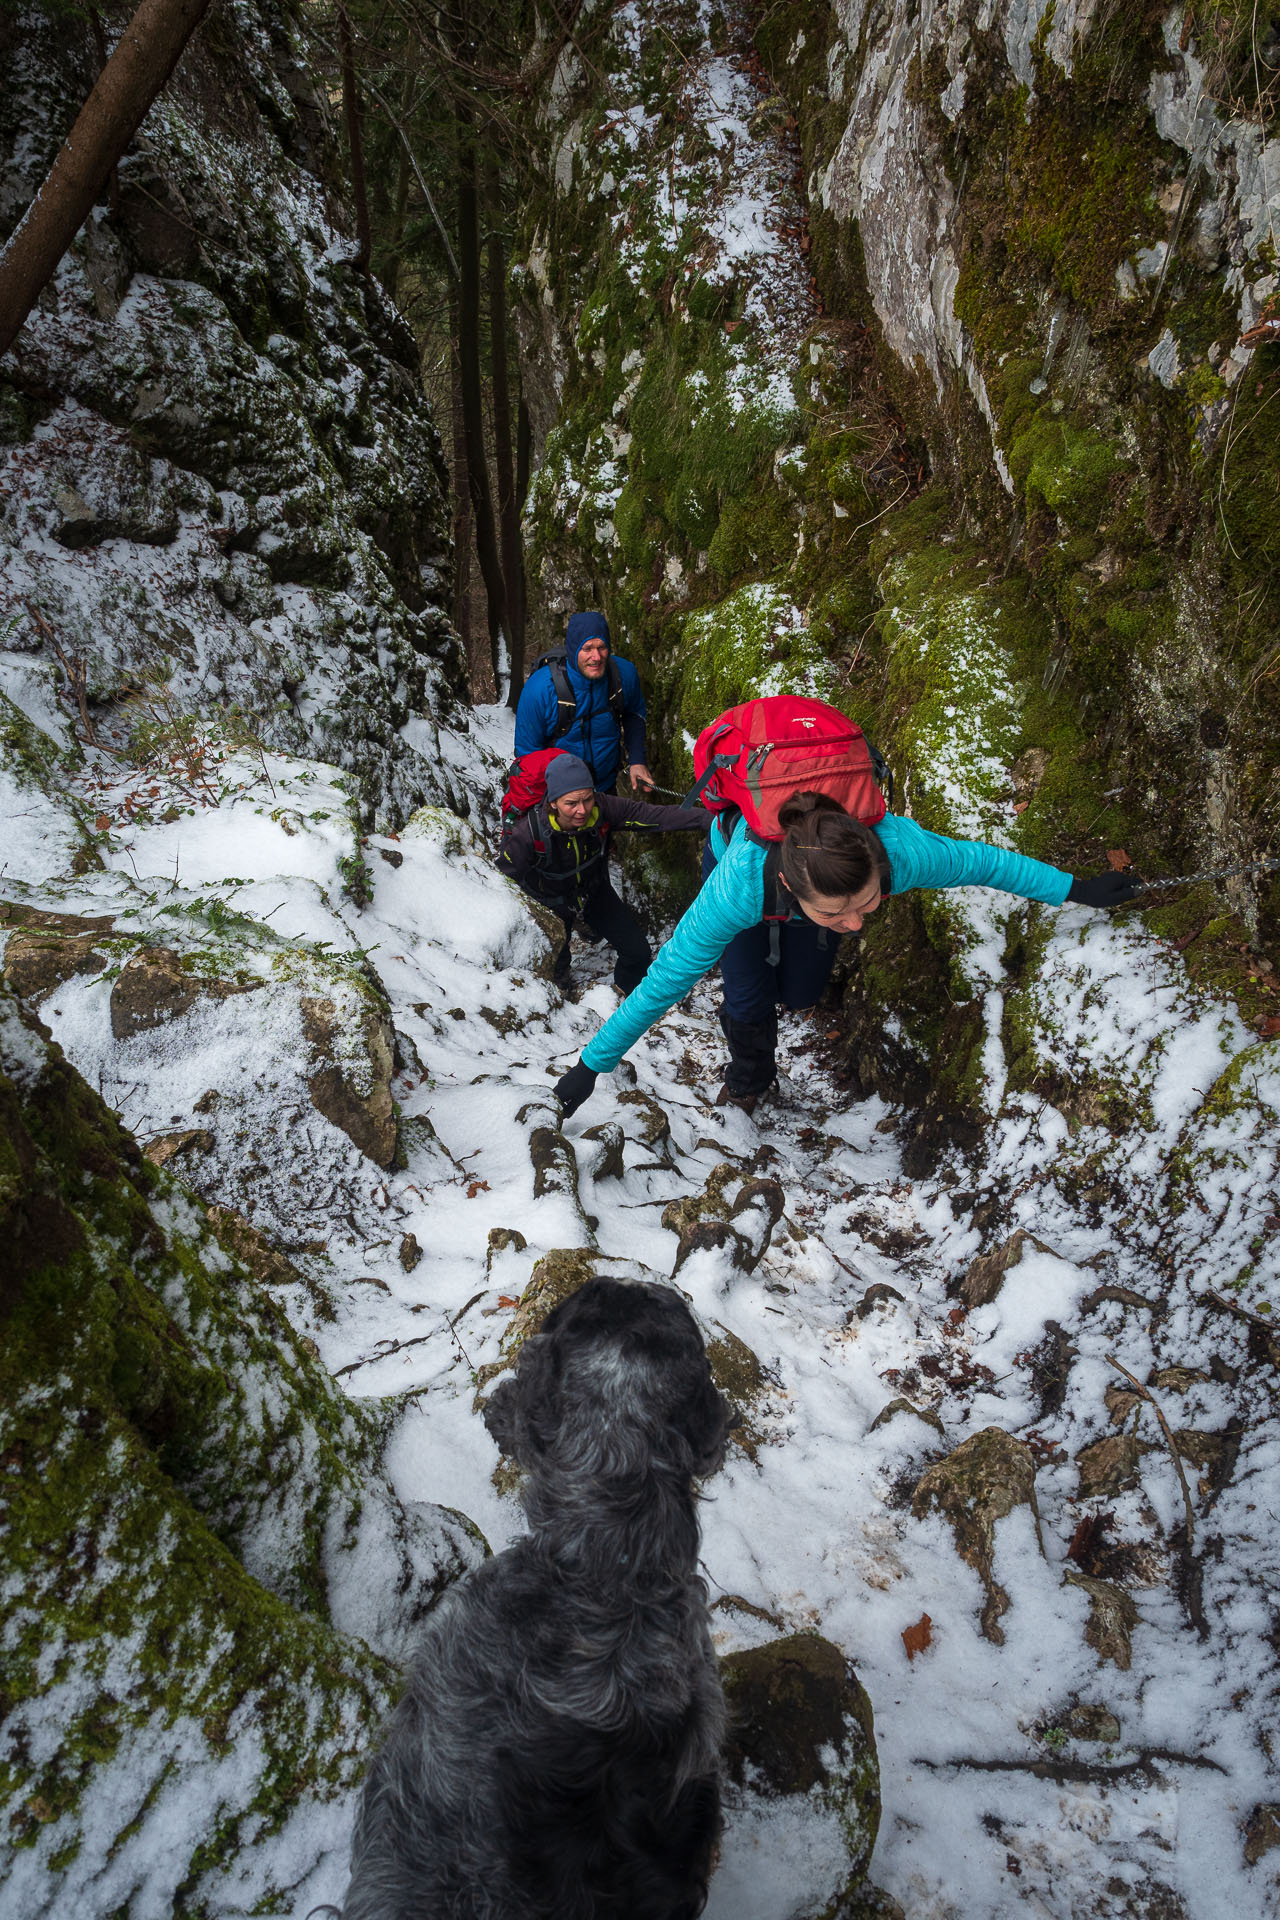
915,1639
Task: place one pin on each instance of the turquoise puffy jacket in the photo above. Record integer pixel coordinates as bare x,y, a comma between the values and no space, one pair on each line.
732,899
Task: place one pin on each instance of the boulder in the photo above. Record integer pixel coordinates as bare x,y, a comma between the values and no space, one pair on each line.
606,1162
739,1375
503,1240
652,1128
985,1478
158,985
710,1236
164,1148
1112,1618
1109,1465
555,1165
1262,1831
352,1086
986,1275
802,1797
709,1220
47,948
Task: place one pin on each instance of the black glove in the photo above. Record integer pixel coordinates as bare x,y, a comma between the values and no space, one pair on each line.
1104,890
574,1087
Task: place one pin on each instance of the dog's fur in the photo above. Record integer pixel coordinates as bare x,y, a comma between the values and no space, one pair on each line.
556,1752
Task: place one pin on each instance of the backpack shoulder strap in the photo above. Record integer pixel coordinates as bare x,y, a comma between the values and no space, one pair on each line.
778,901
615,690
566,703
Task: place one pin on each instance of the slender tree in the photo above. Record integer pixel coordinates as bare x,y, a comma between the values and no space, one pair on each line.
508,511
145,56
468,337
355,140
461,490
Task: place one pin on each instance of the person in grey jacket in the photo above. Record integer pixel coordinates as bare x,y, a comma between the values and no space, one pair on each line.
558,853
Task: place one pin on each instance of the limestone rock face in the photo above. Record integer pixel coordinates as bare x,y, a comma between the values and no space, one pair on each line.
187,1493
208,377
801,1737
986,1477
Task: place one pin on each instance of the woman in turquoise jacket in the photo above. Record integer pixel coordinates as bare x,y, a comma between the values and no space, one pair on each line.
832,872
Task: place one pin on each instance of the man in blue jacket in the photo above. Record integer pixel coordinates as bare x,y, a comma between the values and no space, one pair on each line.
834,873
589,703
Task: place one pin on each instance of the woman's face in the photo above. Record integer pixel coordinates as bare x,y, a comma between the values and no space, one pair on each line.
843,913
571,809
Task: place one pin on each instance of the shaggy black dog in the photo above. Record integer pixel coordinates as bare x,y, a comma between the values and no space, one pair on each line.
556,1752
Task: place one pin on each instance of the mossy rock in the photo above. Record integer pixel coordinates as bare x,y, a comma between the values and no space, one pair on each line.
802,1772
192,1509
982,1481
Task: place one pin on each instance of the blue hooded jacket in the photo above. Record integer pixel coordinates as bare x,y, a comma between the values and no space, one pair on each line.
594,733
732,899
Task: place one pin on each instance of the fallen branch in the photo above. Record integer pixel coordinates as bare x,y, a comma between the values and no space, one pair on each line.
1094,1773
385,1350
72,665
1241,1313
1189,1585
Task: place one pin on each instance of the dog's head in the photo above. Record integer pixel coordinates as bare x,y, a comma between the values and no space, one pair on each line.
616,1383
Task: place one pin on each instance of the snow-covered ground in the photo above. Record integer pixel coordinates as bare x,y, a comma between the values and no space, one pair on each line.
817,1528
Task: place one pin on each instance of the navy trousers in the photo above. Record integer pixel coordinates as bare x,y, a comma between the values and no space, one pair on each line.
754,990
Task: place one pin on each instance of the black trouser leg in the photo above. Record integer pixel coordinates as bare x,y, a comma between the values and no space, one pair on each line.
613,920
752,1046
560,965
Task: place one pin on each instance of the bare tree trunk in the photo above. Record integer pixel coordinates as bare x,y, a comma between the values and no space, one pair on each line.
400,213
524,454
355,141
146,54
461,493
472,402
508,512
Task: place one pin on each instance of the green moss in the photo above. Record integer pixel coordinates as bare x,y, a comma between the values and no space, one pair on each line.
1064,468
158,1427
751,643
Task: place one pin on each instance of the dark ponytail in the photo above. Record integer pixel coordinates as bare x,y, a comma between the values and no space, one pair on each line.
826,851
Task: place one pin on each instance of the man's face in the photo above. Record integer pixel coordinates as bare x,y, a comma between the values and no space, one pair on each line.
593,657
572,809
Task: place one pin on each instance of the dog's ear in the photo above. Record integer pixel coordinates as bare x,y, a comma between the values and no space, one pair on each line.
709,1419
523,1413
499,1415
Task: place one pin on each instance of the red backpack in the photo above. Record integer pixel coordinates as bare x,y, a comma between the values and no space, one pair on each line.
527,781
754,757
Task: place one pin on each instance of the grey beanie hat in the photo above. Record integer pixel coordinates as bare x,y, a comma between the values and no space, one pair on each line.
568,774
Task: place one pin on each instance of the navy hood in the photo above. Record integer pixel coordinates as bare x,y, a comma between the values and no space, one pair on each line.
584,627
